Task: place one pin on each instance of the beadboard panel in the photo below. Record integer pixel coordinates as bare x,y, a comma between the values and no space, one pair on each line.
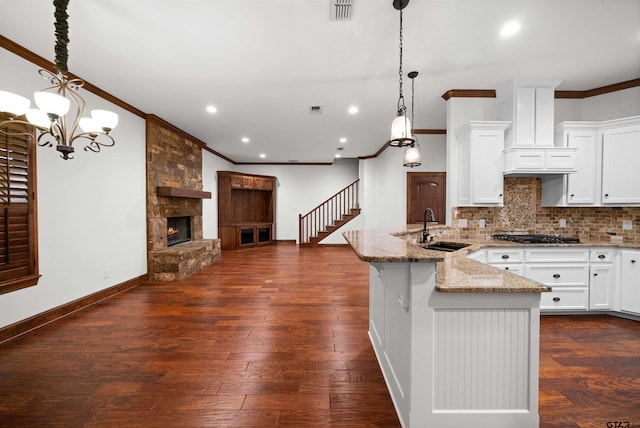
490,367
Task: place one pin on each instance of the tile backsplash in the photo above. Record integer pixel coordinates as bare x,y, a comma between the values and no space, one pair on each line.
522,213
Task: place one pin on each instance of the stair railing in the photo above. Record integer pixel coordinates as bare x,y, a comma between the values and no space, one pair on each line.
328,212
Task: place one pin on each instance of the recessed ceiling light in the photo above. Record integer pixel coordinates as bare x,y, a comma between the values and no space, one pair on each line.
262,155
353,110
245,139
212,109
510,28
343,140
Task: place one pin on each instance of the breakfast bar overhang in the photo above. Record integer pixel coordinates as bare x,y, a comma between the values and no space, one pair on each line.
457,340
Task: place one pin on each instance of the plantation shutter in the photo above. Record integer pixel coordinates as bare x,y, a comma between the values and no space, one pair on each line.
18,243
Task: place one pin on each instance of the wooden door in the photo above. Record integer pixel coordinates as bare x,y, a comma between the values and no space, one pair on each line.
426,190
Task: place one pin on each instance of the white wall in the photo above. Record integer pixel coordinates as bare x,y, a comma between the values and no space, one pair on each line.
614,105
211,164
385,180
91,210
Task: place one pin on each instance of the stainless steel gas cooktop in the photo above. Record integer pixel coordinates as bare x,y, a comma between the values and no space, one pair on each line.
537,239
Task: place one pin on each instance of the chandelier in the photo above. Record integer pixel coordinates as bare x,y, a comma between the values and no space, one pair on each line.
401,127
53,118
412,152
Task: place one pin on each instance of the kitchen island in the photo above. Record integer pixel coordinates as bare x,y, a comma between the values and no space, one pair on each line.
457,340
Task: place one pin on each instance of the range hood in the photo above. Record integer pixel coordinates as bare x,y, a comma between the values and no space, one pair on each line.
530,147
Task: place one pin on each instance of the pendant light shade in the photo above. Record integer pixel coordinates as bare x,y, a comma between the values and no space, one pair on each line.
412,156
401,131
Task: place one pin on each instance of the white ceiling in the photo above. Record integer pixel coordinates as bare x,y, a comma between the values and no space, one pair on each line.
263,63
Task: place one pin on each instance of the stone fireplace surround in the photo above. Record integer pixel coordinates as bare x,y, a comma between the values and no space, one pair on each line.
174,160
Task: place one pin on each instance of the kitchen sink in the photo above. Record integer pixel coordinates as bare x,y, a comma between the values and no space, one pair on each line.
444,246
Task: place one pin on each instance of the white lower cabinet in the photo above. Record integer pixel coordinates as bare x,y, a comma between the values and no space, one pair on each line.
630,281
565,270
565,298
601,287
602,279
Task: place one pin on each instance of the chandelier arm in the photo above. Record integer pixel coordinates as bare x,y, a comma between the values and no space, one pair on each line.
45,142
80,105
95,144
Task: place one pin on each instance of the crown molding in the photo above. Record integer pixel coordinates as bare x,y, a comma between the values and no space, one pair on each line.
491,93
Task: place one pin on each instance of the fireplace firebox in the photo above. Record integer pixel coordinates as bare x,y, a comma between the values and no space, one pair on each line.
178,230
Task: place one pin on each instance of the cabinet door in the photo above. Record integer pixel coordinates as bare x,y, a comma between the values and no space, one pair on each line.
544,120
601,280
524,125
581,186
486,163
621,166
630,281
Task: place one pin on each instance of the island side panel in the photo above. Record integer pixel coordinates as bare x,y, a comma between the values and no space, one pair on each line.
454,359
392,289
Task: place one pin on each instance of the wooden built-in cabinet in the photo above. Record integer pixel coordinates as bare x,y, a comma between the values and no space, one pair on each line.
246,210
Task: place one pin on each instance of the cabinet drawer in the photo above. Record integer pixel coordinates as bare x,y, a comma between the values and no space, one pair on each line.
602,255
555,255
504,255
565,298
561,159
576,275
516,268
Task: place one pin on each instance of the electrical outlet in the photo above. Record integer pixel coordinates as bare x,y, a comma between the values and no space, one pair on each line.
463,222
482,223
627,225
563,222
107,273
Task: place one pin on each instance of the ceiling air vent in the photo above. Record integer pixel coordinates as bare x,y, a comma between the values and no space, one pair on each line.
315,109
341,10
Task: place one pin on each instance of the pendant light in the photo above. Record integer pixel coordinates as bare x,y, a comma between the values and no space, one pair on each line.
401,126
412,152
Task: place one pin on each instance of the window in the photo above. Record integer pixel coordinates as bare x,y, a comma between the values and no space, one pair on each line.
18,231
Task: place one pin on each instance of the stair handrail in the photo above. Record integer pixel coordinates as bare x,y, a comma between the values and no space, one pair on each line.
326,213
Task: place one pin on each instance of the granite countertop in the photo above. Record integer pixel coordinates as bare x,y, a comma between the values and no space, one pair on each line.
455,272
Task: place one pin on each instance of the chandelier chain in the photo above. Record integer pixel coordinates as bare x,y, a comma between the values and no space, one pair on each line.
62,35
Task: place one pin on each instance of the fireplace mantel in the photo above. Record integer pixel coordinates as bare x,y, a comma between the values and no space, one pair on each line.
180,192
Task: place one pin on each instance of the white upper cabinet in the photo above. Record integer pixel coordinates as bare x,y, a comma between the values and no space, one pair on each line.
607,161
621,164
480,181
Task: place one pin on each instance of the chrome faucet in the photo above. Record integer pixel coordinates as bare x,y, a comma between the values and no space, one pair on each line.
425,231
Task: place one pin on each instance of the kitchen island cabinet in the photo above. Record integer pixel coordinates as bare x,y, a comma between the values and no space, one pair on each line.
457,340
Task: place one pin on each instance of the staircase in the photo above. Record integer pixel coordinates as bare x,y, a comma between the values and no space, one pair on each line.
329,216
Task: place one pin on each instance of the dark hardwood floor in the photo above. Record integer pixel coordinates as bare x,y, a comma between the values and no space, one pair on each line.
275,336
